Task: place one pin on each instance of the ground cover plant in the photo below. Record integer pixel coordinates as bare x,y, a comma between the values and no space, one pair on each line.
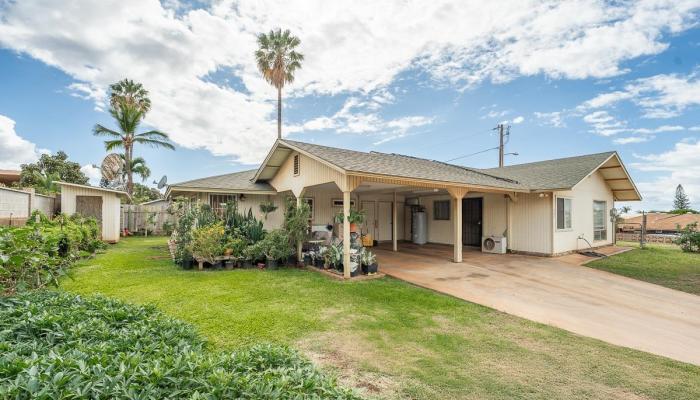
383,336
37,254
57,345
664,265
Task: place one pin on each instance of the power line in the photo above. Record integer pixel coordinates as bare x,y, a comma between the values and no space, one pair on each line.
472,154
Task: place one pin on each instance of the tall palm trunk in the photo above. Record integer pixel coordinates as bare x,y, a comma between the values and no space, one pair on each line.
279,113
129,175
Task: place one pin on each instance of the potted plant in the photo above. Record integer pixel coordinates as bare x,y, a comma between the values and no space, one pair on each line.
321,259
369,262
206,243
234,247
252,254
276,248
308,258
355,218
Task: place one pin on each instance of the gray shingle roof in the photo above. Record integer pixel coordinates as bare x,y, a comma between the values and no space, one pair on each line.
403,166
562,173
235,181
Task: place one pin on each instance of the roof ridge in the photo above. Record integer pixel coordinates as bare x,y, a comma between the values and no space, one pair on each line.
611,152
213,176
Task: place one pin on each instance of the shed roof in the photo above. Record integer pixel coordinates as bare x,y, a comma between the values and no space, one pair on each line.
101,189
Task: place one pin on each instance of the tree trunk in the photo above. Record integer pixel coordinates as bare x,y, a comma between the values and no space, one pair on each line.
279,113
129,174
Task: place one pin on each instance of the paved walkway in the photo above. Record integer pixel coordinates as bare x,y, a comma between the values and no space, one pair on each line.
598,304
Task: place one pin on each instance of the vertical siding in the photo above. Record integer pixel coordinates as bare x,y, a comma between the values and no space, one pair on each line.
111,204
592,188
311,173
493,217
45,204
531,224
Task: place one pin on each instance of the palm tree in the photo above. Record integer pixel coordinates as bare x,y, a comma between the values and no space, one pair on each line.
46,182
277,61
128,117
130,93
138,167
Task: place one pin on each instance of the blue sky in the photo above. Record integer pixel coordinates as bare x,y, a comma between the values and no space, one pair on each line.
426,80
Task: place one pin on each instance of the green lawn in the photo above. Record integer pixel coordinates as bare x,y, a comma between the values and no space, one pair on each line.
663,265
385,337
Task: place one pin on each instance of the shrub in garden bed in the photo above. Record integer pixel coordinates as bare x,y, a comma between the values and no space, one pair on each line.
36,255
59,345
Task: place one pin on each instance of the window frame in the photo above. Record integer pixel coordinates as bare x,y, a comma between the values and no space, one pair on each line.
571,213
219,196
448,210
604,229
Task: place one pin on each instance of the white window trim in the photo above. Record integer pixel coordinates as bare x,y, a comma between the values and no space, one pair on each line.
605,224
556,214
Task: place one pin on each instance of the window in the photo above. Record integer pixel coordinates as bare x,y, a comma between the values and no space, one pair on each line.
339,203
563,213
218,201
296,164
441,210
600,230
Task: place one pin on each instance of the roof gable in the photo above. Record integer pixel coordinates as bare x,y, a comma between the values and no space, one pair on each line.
240,181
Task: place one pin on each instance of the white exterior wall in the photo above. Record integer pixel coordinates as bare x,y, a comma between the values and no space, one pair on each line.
531,223
14,203
582,196
45,204
111,204
493,217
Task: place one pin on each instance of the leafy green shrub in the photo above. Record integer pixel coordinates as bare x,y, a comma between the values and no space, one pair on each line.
689,239
276,245
296,221
236,245
59,345
35,255
207,242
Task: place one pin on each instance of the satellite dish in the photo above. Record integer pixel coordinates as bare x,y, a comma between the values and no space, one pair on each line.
112,166
162,182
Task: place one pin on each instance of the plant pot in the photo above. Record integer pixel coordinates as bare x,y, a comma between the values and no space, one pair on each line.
365,269
373,268
247,264
356,272
353,227
228,252
271,264
229,265
319,263
307,260
291,260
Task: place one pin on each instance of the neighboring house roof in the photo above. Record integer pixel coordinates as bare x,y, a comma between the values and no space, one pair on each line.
145,203
238,181
396,165
117,192
661,221
9,176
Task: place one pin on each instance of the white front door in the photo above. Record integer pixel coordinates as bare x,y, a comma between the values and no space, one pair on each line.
384,220
368,227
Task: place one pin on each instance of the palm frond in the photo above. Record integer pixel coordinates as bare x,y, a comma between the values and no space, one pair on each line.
153,135
100,130
154,143
113,144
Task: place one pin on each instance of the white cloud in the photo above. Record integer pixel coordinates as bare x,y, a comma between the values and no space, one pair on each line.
554,118
15,150
93,173
519,119
659,96
351,48
677,166
633,139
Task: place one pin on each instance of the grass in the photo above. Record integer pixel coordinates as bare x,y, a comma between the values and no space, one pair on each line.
664,265
386,337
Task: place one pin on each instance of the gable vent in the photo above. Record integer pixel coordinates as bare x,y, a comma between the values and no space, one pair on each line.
296,164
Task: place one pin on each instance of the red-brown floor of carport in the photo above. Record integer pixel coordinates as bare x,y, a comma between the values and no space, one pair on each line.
598,304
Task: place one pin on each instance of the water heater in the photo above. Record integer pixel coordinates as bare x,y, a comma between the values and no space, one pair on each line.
420,227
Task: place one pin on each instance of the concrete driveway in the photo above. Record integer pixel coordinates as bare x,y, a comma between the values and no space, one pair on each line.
598,304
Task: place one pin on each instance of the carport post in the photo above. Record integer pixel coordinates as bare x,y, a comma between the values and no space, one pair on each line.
346,234
394,232
457,196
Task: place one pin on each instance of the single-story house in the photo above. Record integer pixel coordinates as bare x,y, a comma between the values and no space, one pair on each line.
659,223
100,203
543,208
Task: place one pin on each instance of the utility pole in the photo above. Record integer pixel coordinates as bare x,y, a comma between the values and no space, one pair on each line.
503,133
